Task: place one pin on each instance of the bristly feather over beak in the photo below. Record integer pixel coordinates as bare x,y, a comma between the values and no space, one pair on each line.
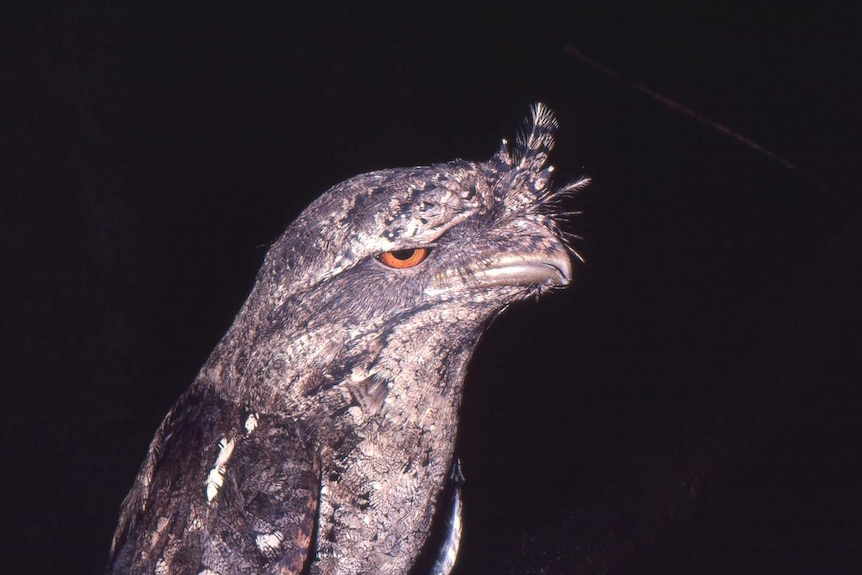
528,250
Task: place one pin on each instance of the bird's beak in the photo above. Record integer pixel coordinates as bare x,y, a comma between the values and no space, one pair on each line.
534,257
551,269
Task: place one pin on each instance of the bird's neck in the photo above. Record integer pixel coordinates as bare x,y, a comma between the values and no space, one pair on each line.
421,360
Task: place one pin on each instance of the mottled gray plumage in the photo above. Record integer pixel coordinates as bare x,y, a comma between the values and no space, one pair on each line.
320,432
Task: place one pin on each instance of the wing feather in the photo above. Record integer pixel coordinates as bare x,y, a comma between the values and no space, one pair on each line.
223,492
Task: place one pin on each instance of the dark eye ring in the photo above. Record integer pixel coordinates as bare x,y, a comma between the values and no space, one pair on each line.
403,259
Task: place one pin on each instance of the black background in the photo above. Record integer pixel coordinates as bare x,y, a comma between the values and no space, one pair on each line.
689,405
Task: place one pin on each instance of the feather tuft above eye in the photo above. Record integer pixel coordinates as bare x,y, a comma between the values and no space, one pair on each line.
536,140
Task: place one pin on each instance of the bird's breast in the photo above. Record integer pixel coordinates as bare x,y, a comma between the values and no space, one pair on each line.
379,496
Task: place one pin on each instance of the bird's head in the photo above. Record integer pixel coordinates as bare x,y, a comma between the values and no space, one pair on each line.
476,234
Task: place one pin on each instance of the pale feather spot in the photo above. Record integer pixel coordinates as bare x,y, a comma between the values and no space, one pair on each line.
215,479
369,448
161,524
356,414
269,543
250,423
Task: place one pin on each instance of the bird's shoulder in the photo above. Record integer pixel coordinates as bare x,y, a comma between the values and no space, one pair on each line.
223,490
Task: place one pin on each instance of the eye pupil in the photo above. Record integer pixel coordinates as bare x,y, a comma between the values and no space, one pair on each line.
403,254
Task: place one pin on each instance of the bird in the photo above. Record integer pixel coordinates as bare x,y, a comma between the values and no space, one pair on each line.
319,435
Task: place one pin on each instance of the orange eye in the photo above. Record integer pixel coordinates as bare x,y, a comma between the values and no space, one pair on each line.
402,259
